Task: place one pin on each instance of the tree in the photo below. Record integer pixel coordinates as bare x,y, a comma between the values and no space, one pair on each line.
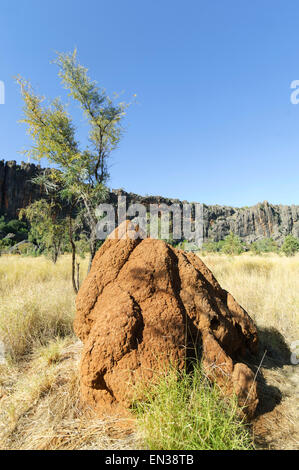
82,173
265,245
212,247
12,231
48,227
290,245
232,245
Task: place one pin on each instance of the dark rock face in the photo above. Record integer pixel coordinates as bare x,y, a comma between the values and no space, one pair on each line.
249,223
252,223
16,189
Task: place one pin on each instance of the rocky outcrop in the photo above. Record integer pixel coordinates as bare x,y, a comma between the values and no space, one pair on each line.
145,305
252,223
16,189
249,223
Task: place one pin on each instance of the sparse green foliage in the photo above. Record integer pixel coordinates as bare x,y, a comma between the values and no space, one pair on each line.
232,245
82,173
213,247
104,114
266,245
48,226
12,232
181,245
290,245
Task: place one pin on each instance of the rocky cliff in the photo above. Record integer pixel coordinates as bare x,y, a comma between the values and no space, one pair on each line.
16,188
249,223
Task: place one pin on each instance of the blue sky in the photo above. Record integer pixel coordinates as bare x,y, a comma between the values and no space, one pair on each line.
213,121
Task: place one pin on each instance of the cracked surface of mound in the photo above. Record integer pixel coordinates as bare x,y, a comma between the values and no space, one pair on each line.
145,304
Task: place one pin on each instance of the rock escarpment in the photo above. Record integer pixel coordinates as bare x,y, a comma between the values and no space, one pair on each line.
249,223
16,189
144,305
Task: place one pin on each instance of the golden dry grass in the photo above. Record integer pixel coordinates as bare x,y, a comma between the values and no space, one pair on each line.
37,302
39,387
39,390
268,288
40,406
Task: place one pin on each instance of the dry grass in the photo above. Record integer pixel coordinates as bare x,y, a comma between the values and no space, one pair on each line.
37,302
40,405
268,288
39,387
39,390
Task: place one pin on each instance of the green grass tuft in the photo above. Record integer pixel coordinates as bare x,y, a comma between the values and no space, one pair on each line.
186,412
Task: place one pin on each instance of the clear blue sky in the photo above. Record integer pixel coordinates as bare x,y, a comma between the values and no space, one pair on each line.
213,121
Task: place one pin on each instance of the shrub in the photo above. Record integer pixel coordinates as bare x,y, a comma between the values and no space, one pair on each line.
232,245
210,247
266,245
290,245
11,232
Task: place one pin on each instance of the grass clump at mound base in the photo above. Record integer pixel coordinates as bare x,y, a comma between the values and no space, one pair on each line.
184,411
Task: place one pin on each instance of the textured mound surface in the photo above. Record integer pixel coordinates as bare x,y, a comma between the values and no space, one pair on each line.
145,304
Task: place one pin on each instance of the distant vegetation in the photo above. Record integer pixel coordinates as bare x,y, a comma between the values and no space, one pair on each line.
12,232
290,245
233,245
46,228
46,233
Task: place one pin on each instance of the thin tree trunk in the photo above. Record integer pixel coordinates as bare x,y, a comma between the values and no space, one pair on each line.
54,254
92,223
78,276
75,285
93,247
